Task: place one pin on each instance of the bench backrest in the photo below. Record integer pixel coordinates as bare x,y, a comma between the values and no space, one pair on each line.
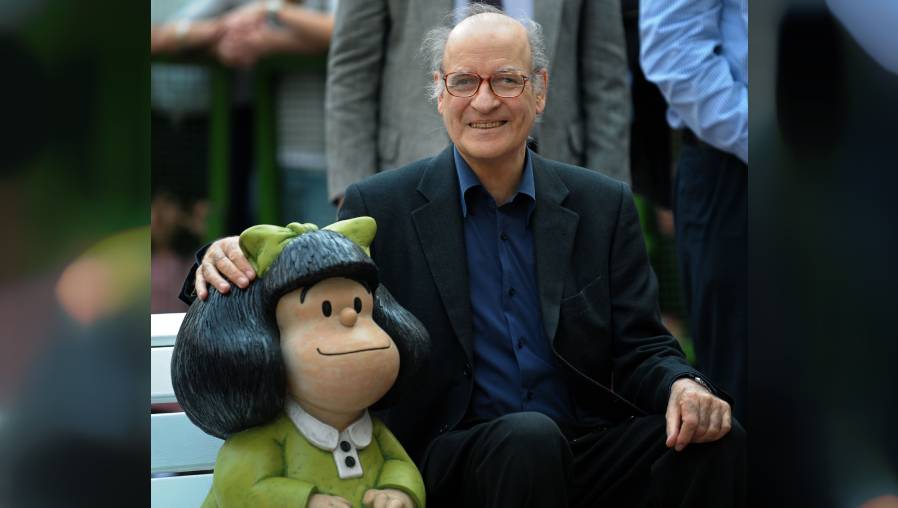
177,445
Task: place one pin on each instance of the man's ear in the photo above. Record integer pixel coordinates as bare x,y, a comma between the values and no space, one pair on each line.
436,83
543,77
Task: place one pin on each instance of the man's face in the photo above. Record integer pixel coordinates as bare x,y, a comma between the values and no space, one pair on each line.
486,128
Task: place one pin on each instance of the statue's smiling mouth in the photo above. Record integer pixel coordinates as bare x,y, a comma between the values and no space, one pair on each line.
320,352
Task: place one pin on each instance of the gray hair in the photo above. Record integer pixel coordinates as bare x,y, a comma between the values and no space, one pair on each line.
435,43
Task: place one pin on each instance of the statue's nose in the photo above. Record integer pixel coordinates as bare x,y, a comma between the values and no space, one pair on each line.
348,317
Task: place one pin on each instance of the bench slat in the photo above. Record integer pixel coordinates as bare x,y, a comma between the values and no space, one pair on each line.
178,445
180,491
161,389
164,328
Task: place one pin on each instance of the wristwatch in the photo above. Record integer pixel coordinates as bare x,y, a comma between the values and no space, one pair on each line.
701,382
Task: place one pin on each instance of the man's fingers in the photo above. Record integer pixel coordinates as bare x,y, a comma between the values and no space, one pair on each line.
368,498
214,278
199,284
714,422
704,417
394,503
227,268
673,423
689,417
726,423
230,248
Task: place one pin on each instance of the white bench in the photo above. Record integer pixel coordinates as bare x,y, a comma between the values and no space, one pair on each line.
177,446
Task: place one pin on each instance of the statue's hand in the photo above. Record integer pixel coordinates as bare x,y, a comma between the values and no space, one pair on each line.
387,498
325,501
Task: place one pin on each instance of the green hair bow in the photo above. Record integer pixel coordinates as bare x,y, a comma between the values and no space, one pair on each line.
262,244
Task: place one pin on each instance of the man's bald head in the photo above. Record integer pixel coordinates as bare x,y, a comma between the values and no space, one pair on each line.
486,26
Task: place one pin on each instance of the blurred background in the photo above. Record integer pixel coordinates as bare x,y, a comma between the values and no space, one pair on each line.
74,193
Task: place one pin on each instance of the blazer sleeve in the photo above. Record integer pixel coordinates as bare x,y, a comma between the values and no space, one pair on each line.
647,359
398,472
248,473
354,76
604,91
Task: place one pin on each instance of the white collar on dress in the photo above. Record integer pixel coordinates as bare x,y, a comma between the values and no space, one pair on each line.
343,445
323,435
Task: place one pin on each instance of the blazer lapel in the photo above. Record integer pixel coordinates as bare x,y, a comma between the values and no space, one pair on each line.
554,228
440,231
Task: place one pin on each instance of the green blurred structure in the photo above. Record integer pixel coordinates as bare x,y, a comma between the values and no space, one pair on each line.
265,77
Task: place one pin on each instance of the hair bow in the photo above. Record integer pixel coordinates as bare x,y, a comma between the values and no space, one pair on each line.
262,244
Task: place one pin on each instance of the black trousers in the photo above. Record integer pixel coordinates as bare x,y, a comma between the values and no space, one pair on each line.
711,217
525,460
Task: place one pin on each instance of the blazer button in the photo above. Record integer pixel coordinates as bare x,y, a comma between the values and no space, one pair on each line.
466,373
350,462
345,446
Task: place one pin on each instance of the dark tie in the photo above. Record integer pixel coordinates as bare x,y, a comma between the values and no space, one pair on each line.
495,3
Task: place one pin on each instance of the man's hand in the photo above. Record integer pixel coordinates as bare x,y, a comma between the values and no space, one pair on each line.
387,498
324,501
240,48
695,415
223,257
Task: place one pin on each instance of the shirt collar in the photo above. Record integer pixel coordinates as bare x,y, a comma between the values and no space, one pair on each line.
323,435
467,179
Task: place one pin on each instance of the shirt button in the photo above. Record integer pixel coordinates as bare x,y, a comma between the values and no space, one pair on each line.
466,373
350,462
529,395
511,291
521,343
344,445
504,237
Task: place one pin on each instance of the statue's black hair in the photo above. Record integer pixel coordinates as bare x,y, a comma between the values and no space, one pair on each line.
227,369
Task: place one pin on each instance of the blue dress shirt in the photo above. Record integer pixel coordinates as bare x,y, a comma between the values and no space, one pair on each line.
514,366
696,51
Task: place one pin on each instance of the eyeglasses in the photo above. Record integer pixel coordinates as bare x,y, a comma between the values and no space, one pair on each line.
503,84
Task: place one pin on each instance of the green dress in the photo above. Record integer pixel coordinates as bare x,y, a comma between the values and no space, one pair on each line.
273,465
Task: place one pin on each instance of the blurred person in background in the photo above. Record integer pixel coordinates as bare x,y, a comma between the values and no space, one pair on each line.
239,34
379,117
696,51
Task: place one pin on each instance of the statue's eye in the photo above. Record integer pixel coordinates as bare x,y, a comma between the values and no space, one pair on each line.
357,303
326,308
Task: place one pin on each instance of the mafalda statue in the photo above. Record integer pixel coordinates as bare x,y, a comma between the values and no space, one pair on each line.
286,369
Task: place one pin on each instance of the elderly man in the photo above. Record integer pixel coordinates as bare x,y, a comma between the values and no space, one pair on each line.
552,383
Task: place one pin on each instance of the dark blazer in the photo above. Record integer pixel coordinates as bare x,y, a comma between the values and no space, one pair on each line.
598,294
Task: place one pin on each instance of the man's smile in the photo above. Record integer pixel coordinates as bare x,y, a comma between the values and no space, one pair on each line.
487,125
351,352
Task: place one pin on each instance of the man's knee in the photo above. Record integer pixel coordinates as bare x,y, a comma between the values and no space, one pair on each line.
532,437
529,428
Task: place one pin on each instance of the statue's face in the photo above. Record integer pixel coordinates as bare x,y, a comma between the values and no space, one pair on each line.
338,359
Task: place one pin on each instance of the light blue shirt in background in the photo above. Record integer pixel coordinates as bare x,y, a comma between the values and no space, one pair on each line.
696,51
